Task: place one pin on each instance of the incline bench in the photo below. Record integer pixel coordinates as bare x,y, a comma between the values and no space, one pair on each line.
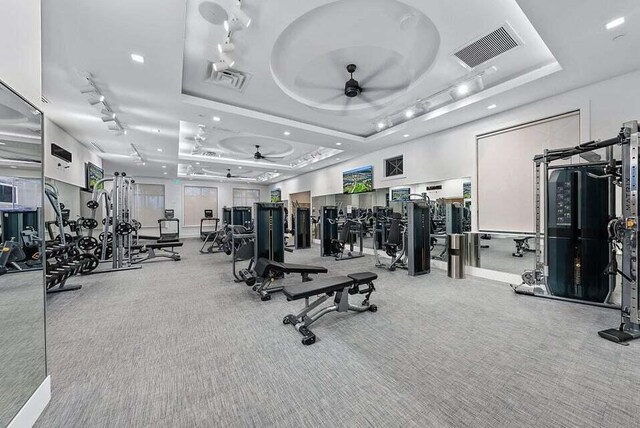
267,271
341,286
150,250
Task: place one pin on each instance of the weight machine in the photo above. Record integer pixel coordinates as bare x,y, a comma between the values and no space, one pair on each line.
119,223
578,261
408,242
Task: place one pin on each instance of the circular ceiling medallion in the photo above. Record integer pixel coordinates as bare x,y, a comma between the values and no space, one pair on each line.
391,43
245,146
7,114
213,12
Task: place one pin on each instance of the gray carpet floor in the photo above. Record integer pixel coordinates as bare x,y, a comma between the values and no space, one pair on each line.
178,344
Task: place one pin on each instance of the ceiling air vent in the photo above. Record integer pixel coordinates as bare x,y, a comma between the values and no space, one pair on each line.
488,47
231,79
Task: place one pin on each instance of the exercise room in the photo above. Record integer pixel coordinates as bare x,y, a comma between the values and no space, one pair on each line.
319,213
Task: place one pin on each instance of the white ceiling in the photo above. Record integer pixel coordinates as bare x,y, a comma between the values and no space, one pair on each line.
292,46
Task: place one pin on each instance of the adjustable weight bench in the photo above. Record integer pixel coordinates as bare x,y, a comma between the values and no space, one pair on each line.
163,248
266,272
341,286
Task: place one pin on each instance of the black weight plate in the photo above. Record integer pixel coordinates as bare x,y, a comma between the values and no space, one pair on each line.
109,237
89,223
92,205
124,228
89,262
98,252
87,243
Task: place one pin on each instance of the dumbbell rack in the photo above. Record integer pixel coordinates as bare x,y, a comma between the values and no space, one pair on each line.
64,261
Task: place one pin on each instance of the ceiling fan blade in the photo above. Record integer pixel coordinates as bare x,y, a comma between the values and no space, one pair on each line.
313,85
334,98
388,63
345,107
370,102
384,88
267,159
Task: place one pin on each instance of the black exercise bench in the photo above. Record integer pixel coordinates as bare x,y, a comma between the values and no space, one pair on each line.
522,245
166,249
266,272
341,286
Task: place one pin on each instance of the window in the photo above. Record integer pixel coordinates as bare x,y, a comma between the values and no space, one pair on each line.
245,197
393,166
196,200
149,200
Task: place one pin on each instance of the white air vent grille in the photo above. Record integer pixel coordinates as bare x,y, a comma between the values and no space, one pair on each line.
488,47
210,154
231,79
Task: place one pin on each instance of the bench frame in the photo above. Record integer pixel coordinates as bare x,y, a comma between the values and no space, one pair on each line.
162,252
306,317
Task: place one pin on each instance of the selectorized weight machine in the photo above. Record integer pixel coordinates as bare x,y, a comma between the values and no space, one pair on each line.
583,234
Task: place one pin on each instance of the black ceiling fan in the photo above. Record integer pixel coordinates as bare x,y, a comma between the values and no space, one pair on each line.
259,156
231,176
357,89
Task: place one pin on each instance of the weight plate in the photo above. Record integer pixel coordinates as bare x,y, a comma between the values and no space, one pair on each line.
124,228
93,205
89,223
109,237
87,243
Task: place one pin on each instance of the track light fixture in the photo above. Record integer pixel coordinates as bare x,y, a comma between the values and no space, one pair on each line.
224,62
237,21
226,47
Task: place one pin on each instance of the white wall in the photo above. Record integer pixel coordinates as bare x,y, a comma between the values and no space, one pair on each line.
56,168
174,193
451,153
20,47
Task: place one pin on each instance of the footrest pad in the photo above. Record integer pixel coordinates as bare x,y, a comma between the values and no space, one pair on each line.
309,289
363,277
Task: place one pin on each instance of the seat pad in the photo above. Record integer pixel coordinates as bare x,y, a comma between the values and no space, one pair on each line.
314,288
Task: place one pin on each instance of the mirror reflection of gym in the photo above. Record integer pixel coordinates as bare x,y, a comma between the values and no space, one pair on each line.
22,340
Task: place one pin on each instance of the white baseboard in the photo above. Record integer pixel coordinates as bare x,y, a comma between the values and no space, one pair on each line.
33,408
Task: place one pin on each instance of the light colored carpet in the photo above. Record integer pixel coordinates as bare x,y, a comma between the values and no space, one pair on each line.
178,344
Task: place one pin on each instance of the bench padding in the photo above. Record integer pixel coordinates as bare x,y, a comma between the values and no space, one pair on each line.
157,246
363,277
264,266
309,289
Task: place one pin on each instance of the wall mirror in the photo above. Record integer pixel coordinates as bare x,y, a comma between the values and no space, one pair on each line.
22,323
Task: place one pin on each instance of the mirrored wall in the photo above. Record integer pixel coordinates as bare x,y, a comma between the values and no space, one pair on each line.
22,323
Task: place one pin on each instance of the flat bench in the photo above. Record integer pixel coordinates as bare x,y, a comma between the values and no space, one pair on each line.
341,287
522,245
157,250
266,272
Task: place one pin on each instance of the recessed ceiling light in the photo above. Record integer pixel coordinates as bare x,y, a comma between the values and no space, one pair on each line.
338,144
137,58
144,163
101,98
239,167
197,163
380,125
13,166
164,166
125,132
409,113
406,135
287,133
337,158
2,143
463,89
160,150
216,119
165,173
492,106
615,23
